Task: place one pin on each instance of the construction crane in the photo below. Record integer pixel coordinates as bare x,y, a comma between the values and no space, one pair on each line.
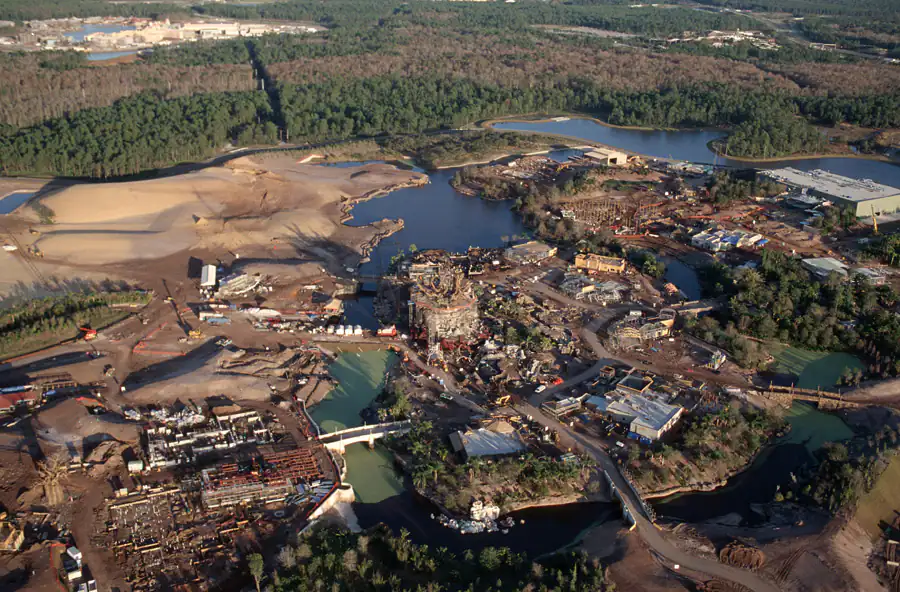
87,333
181,322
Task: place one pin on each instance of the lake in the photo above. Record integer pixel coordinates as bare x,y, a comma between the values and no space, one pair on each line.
11,201
78,35
101,56
692,145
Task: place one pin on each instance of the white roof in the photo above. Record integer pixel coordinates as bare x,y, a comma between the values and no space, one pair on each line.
833,185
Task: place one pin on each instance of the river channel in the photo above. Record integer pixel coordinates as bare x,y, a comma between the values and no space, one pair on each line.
383,495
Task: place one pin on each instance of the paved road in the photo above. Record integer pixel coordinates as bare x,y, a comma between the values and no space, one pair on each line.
647,530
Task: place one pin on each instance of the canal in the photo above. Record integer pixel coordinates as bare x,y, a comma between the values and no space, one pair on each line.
383,495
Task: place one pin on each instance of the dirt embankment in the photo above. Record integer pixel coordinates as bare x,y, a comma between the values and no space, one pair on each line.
266,208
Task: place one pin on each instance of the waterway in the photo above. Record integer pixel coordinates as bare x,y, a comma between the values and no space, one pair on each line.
11,201
810,430
692,145
383,495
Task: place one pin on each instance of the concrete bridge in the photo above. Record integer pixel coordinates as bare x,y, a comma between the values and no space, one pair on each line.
785,395
341,439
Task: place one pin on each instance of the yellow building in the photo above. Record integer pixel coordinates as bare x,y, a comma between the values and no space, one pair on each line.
599,263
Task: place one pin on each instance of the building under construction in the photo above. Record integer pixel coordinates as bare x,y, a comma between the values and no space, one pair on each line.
269,477
443,305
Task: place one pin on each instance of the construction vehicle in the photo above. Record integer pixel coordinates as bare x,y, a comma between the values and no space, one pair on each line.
195,334
87,333
501,401
874,222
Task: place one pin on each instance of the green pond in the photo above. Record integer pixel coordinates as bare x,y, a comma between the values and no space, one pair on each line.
814,369
360,378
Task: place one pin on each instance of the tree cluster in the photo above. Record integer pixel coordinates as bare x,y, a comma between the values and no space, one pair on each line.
379,560
137,133
780,300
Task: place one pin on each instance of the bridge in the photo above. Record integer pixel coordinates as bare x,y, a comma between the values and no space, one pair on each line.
341,439
785,395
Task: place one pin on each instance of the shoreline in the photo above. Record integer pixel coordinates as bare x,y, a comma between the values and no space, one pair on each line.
490,123
713,147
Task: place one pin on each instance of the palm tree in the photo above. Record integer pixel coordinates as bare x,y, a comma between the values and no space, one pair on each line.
420,478
475,464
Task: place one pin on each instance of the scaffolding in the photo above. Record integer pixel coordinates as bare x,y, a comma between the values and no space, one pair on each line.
268,478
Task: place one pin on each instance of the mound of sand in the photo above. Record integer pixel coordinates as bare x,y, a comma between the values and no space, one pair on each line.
274,207
68,424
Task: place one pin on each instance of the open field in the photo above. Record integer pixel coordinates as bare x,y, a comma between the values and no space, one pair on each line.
881,504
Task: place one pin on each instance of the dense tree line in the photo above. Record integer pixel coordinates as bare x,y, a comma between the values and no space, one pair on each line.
854,32
725,187
37,87
201,53
774,135
137,133
863,8
43,321
885,248
272,49
781,301
25,10
379,560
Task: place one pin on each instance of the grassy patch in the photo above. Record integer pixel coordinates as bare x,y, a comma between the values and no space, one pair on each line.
813,368
44,322
880,504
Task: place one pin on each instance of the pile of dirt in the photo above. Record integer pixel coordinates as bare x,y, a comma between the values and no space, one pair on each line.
263,364
68,424
720,586
742,555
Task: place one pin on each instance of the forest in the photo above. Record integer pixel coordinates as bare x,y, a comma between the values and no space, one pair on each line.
136,133
45,85
781,301
407,68
379,560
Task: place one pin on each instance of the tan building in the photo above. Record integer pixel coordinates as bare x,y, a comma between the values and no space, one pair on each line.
607,157
599,263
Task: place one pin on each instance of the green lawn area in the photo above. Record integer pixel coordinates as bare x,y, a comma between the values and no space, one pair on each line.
879,505
812,368
97,318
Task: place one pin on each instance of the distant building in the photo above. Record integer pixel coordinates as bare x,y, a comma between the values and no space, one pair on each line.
607,157
497,438
822,267
724,240
600,263
530,252
864,196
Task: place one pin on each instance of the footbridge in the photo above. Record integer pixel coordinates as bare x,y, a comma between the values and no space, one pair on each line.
785,395
341,439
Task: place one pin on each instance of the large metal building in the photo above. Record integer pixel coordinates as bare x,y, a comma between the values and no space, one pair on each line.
865,196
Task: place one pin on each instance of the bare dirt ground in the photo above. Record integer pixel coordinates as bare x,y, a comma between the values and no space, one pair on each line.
270,208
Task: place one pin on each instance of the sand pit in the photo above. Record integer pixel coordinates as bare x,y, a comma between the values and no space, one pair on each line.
272,208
